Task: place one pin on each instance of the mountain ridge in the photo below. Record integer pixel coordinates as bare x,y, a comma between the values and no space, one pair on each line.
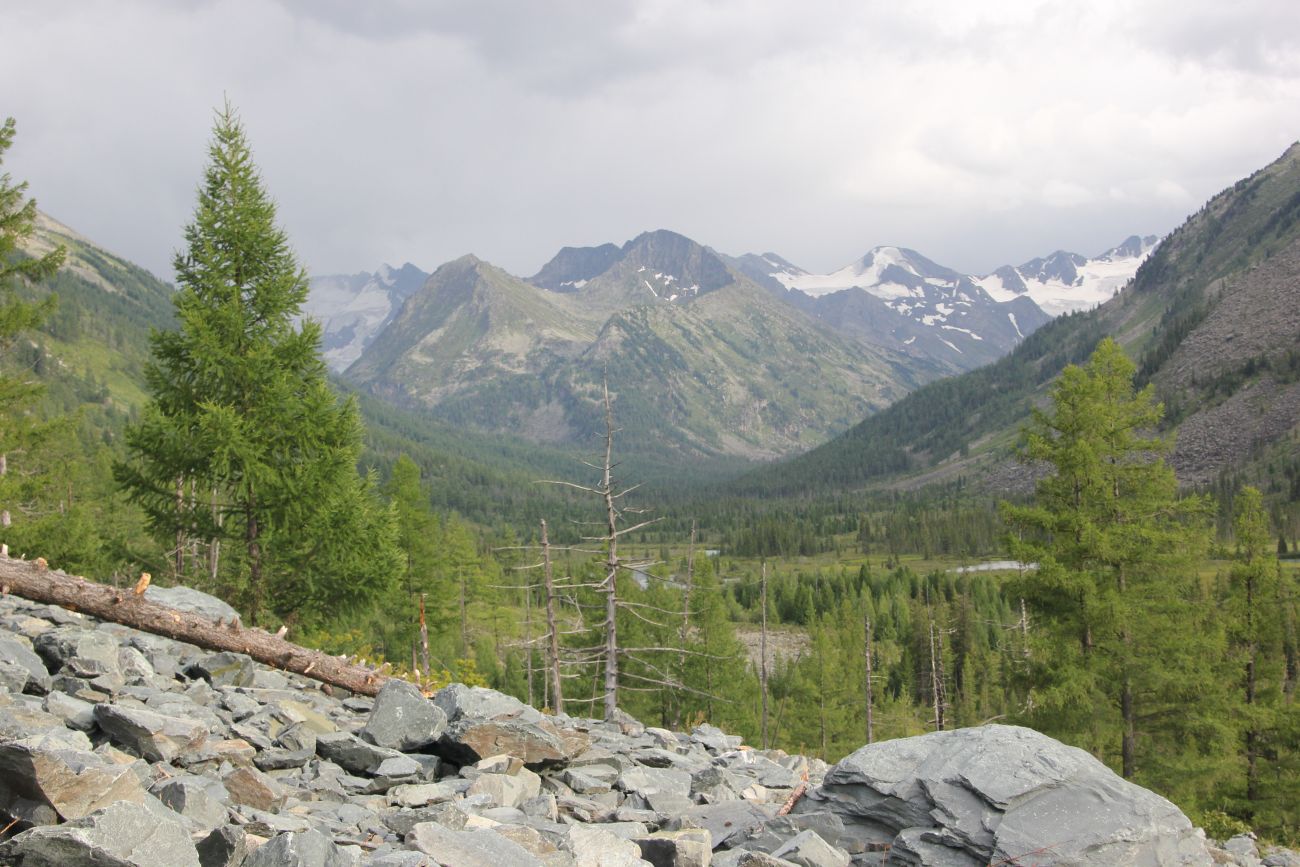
1231,269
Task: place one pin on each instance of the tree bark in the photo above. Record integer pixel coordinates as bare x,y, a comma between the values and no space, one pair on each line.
611,565
31,580
871,732
552,635
762,650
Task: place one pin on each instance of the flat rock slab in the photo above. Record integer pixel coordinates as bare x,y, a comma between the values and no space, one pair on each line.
152,736
474,848
122,835
998,793
299,849
44,786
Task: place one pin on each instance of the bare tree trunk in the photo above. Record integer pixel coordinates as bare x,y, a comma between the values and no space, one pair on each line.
611,567
762,650
31,580
528,640
552,633
5,520
214,548
180,529
464,615
942,684
686,626
1024,628
936,692
252,538
424,639
870,696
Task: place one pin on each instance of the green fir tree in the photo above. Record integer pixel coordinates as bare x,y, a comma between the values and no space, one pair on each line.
1119,661
243,445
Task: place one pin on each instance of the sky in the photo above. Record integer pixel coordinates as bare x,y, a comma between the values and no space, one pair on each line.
980,134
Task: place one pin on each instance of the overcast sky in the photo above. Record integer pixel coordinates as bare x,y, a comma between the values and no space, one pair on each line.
421,130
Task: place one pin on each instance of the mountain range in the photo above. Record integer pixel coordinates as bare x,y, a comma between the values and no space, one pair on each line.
1212,318
709,355
713,360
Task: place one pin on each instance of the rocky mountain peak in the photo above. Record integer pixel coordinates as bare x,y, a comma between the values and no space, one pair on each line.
573,267
677,265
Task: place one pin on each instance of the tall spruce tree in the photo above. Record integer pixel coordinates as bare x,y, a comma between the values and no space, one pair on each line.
1125,627
18,429
1256,609
243,440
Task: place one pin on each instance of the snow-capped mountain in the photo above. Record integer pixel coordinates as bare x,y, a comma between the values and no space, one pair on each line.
353,308
1066,282
969,315
894,296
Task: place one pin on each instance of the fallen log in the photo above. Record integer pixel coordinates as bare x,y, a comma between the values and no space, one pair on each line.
32,580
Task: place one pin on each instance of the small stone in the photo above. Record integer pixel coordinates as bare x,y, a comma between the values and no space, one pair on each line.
471,848
26,662
200,799
422,794
690,847
254,789
308,848
227,846
807,849
224,669
353,754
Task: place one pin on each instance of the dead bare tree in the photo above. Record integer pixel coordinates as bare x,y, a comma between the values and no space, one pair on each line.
867,681
617,521
762,651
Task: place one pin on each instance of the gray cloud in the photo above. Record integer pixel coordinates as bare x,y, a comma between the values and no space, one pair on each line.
399,130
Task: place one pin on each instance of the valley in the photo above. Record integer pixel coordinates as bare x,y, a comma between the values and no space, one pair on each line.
762,477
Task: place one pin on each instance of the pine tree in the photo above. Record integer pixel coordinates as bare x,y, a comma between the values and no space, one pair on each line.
18,430
1255,612
243,440
1116,549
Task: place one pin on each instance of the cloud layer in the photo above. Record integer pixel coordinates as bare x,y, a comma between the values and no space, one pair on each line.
399,130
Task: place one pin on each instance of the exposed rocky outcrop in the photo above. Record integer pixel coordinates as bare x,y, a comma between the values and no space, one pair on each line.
121,748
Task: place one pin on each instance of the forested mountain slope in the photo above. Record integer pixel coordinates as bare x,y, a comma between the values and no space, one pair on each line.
704,365
1211,317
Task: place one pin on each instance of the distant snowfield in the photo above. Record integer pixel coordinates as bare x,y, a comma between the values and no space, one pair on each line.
1098,280
866,273
1085,284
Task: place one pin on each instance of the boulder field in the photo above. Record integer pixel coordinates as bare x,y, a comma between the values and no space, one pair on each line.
118,747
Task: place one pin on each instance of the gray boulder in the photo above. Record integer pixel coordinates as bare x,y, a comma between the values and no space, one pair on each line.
121,835
153,736
43,786
26,665
483,722
299,849
999,793
227,846
809,850
474,848
192,601
80,652
224,669
403,719
353,754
